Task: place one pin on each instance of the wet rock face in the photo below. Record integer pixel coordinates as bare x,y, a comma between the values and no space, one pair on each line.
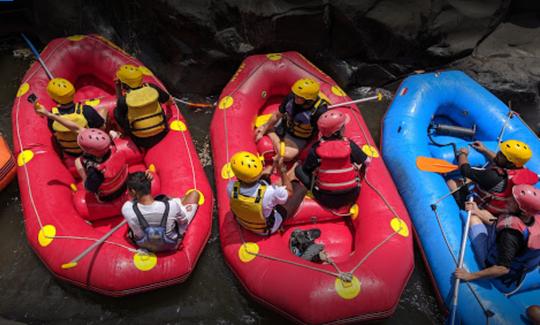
196,45
196,38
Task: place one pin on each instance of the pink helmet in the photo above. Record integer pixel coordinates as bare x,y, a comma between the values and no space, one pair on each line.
331,122
527,198
94,142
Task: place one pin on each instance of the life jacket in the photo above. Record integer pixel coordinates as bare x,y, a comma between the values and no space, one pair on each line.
66,138
248,210
521,264
155,238
503,202
300,124
336,172
114,169
145,115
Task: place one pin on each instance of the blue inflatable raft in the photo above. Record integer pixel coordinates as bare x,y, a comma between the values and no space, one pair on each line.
452,98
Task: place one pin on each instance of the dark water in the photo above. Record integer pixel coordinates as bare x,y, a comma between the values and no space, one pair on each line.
212,295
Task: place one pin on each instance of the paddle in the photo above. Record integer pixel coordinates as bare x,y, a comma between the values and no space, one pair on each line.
73,263
435,165
378,97
191,104
460,265
38,57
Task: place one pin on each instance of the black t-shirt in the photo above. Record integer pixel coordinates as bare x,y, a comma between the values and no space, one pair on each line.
323,108
487,179
90,114
120,113
510,243
312,160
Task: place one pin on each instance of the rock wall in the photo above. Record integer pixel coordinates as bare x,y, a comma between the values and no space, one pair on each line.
196,45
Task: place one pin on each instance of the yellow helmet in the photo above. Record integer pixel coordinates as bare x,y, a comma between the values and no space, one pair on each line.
246,166
516,152
61,90
130,75
306,88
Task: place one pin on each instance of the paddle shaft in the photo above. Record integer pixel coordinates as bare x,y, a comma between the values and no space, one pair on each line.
38,57
361,100
460,265
99,242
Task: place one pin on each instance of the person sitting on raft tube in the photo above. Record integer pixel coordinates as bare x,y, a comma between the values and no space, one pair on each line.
138,107
331,169
507,247
494,184
102,168
84,116
296,120
157,224
257,205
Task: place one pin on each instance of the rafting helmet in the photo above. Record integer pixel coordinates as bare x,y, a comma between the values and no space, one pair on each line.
527,197
130,75
246,166
94,142
516,152
331,122
306,88
61,90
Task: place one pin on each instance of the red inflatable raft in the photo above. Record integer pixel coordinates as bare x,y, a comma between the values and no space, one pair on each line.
55,227
372,246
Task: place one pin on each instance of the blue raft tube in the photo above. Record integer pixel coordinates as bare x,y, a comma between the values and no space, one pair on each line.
453,98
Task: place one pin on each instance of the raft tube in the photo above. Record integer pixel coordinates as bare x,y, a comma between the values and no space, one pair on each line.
453,98
373,245
55,228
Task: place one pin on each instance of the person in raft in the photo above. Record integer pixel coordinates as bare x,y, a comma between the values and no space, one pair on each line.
102,168
494,184
138,107
332,167
295,123
62,92
257,205
159,223
507,247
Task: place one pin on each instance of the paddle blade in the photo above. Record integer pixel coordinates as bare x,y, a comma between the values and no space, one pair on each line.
69,265
434,165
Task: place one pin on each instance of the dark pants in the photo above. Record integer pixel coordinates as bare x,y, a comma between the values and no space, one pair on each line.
290,207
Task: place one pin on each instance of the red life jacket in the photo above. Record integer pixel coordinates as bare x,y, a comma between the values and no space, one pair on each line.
503,202
336,172
530,233
114,169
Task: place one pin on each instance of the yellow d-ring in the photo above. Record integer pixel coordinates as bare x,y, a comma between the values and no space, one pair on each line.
144,261
348,290
247,252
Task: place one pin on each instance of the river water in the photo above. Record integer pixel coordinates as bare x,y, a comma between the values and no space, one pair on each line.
212,295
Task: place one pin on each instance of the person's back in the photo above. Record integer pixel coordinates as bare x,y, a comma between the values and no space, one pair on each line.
332,168
257,205
157,224
138,109
84,116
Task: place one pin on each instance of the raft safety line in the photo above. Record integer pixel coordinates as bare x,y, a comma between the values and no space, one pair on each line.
344,276
488,313
22,148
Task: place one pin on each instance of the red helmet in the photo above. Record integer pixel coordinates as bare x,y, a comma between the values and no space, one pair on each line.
331,122
94,142
527,198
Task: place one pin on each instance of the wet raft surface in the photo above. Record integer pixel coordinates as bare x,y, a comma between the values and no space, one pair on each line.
30,294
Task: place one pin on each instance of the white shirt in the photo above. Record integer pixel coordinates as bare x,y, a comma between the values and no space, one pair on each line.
274,195
153,213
